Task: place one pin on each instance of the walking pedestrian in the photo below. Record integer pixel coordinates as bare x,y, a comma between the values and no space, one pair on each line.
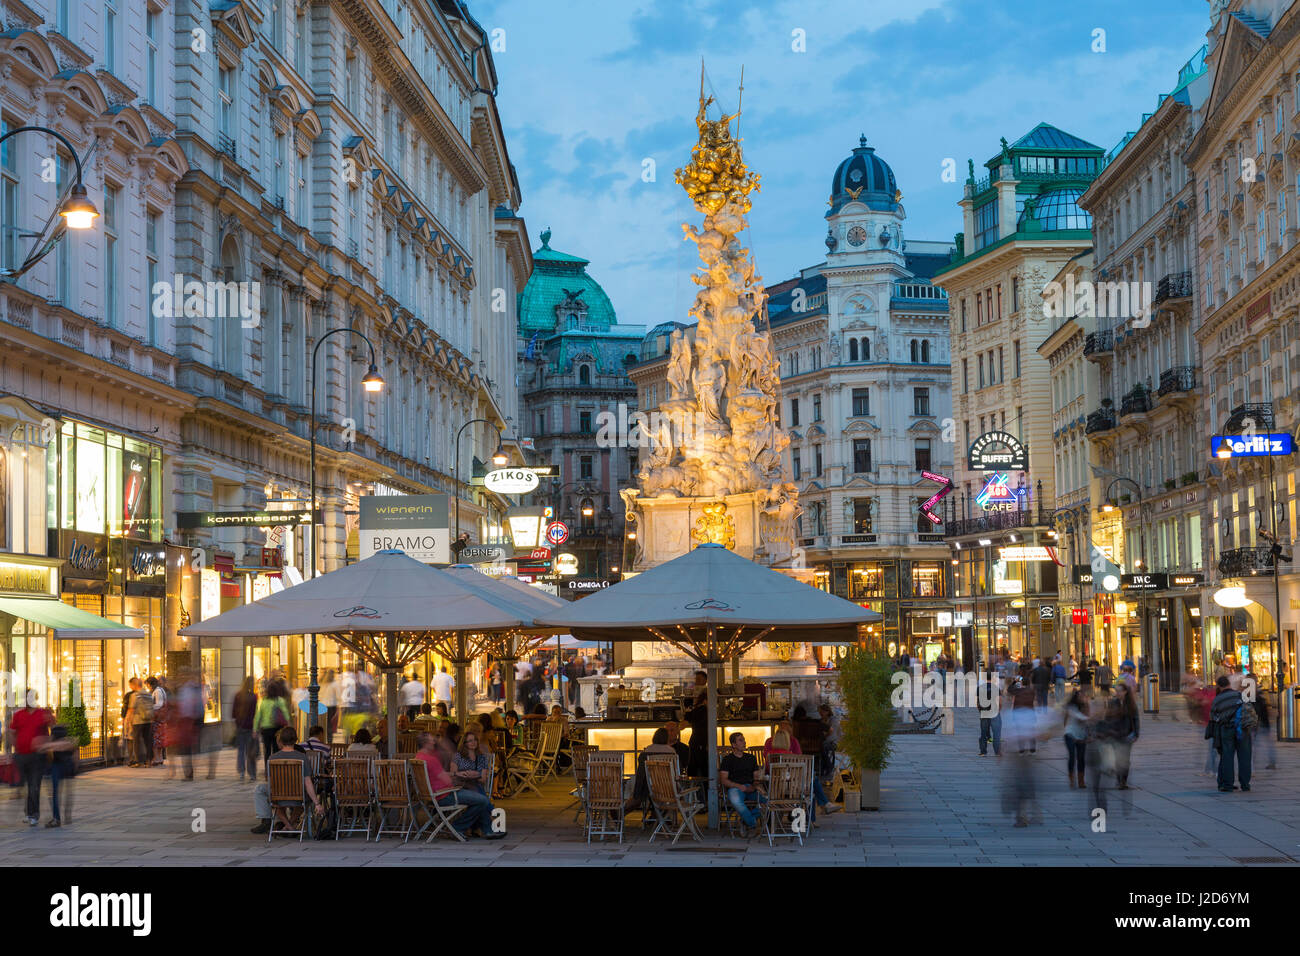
443,684
142,723
1077,714
497,682
159,692
1231,726
328,698
27,726
62,752
412,696
988,702
1262,732
245,709
1125,723
1103,675
1058,679
271,715
1041,679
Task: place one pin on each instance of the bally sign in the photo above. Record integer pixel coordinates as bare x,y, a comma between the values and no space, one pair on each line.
510,481
416,524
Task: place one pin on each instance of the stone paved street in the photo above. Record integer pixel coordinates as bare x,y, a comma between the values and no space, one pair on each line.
941,806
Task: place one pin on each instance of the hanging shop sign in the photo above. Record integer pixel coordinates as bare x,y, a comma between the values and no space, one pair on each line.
223,562
1186,580
482,553
144,567
1252,446
18,578
1013,618
1081,574
582,585
1079,615
566,563
998,451
997,493
1151,581
927,508
416,524
195,520
1047,613
943,619
511,481
557,532
85,560
1028,552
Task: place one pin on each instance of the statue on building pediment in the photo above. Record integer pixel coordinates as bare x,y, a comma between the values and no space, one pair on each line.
572,300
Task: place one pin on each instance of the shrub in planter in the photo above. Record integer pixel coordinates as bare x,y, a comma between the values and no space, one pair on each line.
74,718
866,685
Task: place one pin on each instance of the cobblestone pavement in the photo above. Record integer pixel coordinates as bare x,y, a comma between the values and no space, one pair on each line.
941,805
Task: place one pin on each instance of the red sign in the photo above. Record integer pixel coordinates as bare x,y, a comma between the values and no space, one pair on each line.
1079,615
557,532
540,554
1257,309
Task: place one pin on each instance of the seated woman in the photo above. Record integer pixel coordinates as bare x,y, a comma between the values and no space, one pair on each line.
362,744
441,711
470,767
558,716
641,786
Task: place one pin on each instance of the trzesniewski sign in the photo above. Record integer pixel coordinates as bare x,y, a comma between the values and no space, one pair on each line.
1251,446
998,451
416,524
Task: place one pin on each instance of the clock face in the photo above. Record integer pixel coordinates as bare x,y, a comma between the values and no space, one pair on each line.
857,236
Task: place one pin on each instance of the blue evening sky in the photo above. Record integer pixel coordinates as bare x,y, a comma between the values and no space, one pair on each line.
592,89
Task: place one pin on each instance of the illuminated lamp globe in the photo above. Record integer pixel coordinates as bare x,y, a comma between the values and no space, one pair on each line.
373,382
78,211
1110,582
500,458
1233,596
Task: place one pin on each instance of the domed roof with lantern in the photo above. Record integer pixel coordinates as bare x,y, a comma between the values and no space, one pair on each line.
866,178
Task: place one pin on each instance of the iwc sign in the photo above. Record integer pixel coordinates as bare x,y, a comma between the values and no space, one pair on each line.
510,481
998,451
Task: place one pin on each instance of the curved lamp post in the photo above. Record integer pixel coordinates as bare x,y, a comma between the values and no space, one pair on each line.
1142,555
499,458
372,382
78,211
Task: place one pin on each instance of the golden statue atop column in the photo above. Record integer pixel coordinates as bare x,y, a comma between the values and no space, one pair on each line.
717,473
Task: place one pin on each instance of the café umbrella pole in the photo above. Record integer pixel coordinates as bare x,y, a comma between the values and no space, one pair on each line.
390,688
712,673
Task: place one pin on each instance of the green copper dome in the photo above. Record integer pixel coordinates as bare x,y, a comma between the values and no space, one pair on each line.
560,279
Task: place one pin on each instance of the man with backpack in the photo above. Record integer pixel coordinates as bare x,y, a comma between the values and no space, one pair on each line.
1230,727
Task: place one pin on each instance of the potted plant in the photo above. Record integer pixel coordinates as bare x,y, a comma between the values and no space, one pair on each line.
1169,484
73,716
1189,478
866,685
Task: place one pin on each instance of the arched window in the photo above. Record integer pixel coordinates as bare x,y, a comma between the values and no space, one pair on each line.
584,374
866,350
925,351
853,350
231,339
915,351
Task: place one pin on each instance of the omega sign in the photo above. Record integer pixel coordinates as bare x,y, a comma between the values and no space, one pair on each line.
510,481
998,451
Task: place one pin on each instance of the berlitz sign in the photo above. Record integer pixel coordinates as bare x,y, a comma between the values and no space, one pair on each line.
510,481
998,451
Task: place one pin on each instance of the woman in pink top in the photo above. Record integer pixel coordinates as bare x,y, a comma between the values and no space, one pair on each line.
792,745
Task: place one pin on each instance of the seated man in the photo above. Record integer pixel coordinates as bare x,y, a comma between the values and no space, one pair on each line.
736,773
437,752
287,816
315,741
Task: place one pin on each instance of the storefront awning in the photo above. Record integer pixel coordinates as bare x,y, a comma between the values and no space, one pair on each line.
65,622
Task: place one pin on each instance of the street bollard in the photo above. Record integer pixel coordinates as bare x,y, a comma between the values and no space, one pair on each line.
1290,715
1151,695
949,721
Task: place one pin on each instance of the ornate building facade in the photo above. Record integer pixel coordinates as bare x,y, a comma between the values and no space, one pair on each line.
330,166
573,359
862,341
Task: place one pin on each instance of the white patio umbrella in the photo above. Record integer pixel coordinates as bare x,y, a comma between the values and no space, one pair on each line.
714,605
387,608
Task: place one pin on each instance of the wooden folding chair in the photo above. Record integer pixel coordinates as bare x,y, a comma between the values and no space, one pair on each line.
285,783
424,800
527,769
338,751
392,794
408,741
806,761
604,792
786,810
352,791
672,806
578,754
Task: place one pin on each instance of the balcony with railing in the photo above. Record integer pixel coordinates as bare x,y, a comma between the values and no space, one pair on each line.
227,145
1136,402
1244,561
998,521
1180,378
1099,343
1176,285
1102,420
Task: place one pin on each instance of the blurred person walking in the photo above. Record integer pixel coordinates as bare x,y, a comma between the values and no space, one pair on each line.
1041,679
411,694
1262,731
1126,723
1077,714
142,723
1058,679
62,752
28,725
271,715
327,699
159,692
988,702
244,710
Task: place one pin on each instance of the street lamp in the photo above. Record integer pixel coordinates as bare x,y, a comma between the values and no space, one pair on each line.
372,382
78,211
498,458
1140,561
